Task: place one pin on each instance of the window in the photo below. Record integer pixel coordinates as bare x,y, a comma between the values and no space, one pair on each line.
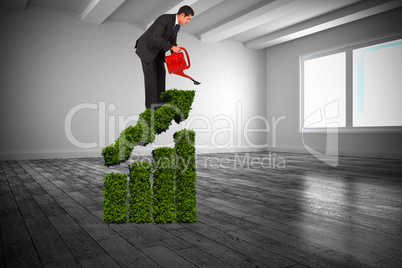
356,88
324,91
377,85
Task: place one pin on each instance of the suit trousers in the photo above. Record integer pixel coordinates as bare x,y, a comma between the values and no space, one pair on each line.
154,79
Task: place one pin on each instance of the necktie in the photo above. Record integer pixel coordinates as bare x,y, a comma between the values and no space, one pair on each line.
174,30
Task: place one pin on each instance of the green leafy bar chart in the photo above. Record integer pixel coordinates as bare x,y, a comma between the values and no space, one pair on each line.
170,196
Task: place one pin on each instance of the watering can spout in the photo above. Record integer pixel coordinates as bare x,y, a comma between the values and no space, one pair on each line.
181,73
176,63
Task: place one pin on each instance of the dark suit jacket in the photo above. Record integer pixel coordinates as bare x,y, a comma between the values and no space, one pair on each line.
157,39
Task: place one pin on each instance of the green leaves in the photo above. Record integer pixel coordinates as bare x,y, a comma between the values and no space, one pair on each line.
140,192
186,204
164,207
171,197
180,101
114,198
172,194
177,107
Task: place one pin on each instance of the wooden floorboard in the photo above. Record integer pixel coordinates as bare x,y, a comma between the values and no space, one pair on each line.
254,210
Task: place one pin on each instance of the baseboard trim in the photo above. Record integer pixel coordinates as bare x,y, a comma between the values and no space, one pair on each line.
48,155
140,151
386,155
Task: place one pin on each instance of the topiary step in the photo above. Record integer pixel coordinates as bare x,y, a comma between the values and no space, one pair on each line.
150,123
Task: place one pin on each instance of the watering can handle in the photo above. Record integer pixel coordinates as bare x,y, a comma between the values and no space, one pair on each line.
188,58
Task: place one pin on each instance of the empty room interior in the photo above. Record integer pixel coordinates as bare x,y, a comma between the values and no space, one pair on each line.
287,154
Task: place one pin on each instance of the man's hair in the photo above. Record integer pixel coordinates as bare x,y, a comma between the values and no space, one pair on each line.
187,10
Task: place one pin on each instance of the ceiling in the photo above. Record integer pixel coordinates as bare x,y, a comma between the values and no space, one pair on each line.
257,24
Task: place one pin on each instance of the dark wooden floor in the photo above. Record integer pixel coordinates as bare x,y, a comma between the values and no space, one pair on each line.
254,210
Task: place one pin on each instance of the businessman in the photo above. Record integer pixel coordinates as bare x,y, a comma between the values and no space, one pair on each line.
151,47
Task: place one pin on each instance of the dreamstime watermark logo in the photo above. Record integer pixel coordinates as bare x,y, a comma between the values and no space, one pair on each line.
327,118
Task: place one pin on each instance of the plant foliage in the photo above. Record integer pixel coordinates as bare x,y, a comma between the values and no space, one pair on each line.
163,187
172,196
114,198
140,192
185,176
150,123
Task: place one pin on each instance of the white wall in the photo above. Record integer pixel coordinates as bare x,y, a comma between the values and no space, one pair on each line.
52,63
283,89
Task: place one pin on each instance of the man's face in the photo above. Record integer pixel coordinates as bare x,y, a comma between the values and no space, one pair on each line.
183,20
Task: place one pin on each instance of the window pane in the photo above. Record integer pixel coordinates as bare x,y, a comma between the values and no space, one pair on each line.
377,85
324,91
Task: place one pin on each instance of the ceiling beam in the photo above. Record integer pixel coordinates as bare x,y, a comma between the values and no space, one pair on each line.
201,6
14,4
99,10
352,13
174,9
257,17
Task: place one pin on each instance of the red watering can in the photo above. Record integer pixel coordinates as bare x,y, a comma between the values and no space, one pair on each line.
176,64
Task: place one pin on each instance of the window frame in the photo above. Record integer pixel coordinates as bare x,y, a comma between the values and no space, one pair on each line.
348,49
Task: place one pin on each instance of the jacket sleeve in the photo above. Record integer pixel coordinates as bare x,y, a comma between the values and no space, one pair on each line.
157,39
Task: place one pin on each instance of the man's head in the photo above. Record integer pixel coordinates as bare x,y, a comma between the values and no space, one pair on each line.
184,15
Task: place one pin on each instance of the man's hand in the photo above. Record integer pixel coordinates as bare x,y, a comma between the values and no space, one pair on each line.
176,49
